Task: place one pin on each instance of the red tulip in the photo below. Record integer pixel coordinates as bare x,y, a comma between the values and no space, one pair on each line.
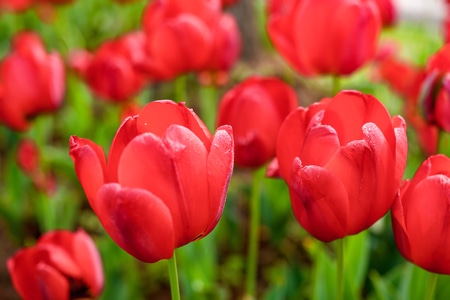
335,157
228,2
31,81
255,109
388,11
15,5
324,37
179,38
112,72
165,181
225,51
420,216
62,265
29,161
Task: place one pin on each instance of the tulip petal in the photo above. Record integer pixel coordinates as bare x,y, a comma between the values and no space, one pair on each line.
401,146
21,269
220,169
361,166
348,111
427,220
319,201
320,144
174,169
90,166
138,221
126,132
89,260
150,120
54,285
398,223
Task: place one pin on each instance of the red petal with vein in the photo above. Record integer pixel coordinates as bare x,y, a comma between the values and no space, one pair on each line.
174,169
361,167
220,169
138,221
319,201
90,166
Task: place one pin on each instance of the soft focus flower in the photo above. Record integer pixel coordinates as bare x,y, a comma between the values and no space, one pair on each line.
388,11
29,161
420,216
62,265
436,88
225,51
409,82
112,72
31,81
165,181
343,159
255,109
15,5
324,37
188,36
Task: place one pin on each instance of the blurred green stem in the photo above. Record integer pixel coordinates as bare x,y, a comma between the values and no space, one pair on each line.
339,244
180,88
253,239
208,105
431,286
173,275
336,84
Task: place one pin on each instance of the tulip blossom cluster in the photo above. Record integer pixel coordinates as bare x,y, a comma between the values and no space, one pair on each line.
165,182
177,37
32,81
334,156
62,265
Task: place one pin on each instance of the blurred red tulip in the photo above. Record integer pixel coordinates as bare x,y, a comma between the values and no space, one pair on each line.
228,2
420,216
334,156
255,109
225,51
435,97
112,72
324,37
388,11
179,38
15,5
29,160
188,36
31,81
62,265
165,181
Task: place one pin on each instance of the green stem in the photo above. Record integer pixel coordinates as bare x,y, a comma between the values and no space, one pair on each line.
431,286
208,104
253,239
336,84
173,275
180,88
339,244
